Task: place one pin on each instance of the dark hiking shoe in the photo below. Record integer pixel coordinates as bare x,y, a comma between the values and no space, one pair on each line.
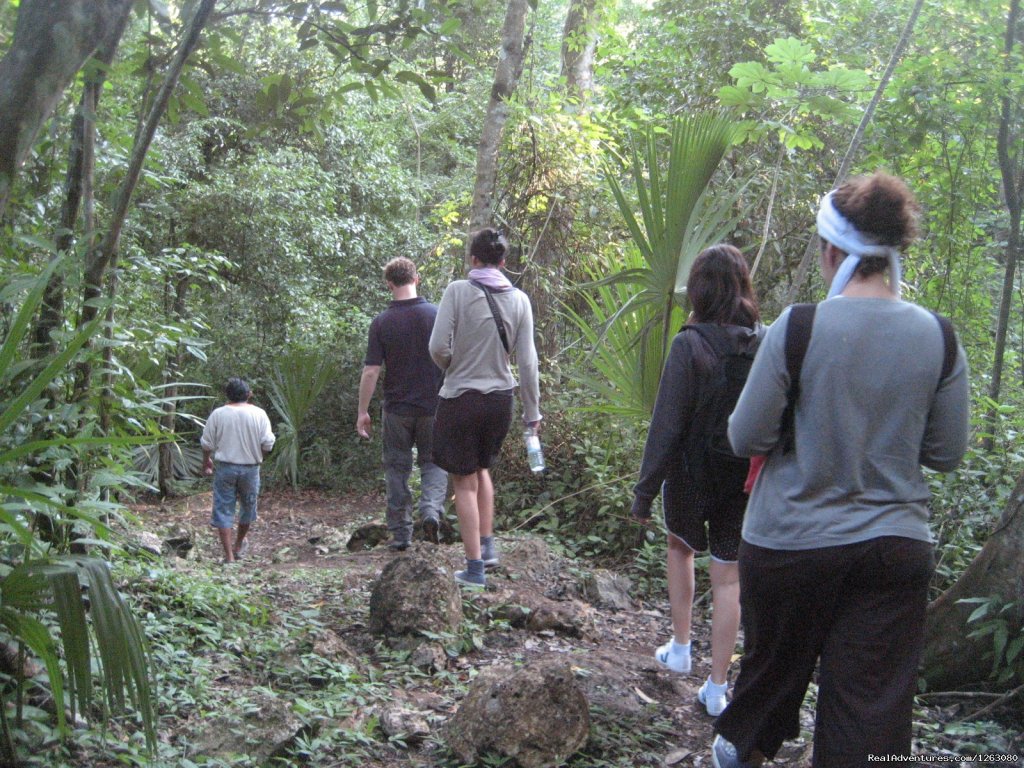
432,530
723,755
398,545
470,580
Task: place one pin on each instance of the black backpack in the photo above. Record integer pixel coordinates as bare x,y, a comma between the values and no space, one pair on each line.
710,460
798,337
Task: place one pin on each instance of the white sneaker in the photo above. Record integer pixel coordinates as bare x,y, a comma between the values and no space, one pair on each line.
677,662
712,696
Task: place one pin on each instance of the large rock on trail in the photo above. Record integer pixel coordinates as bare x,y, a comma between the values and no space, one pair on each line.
535,714
414,594
266,729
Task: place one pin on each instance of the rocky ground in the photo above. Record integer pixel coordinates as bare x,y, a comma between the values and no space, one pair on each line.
546,605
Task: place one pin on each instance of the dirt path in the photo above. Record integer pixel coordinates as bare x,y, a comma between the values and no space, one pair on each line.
297,531
300,531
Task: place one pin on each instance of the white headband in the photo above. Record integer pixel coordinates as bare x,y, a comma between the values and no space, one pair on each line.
838,230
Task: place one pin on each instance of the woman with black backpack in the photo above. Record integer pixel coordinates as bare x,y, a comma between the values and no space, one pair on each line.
688,459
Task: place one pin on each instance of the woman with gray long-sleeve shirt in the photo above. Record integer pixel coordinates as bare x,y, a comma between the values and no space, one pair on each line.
836,555
474,410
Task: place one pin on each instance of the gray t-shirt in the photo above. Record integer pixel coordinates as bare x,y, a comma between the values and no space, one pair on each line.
238,434
871,412
465,344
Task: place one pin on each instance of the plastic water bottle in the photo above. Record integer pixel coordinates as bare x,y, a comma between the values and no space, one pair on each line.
534,454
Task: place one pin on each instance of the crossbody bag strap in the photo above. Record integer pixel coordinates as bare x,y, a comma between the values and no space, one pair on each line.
495,314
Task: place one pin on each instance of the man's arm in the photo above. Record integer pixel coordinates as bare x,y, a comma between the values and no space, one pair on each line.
208,442
367,385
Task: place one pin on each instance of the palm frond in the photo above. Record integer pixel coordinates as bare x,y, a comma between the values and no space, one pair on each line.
715,217
33,633
55,366
672,221
74,633
622,335
295,387
119,642
45,583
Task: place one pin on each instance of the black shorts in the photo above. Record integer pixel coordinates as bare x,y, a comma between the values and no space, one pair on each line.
700,516
469,430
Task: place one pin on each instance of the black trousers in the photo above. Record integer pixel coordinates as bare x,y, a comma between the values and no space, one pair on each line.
858,612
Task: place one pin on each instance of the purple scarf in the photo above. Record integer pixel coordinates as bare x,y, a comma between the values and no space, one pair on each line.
491,277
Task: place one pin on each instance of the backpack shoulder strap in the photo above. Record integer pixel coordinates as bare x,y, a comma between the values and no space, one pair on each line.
798,337
948,346
495,314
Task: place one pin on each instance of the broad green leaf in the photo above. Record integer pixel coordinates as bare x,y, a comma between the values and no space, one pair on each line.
733,96
789,50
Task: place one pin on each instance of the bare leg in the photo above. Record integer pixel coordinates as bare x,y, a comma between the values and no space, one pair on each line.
680,587
468,511
485,502
224,534
725,621
243,528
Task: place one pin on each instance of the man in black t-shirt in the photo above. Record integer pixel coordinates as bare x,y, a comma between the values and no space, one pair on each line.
398,340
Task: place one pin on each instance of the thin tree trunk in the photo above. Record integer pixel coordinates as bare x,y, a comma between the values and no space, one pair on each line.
545,269
952,658
506,78
78,179
52,40
1008,148
104,257
166,464
858,137
579,43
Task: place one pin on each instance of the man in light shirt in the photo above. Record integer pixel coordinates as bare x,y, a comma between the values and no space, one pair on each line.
236,437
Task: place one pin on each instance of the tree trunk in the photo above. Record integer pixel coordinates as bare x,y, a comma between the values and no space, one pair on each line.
506,78
78,179
951,659
167,450
547,261
104,257
52,40
579,42
855,142
1008,148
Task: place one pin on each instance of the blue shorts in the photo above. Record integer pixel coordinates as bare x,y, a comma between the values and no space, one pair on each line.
231,483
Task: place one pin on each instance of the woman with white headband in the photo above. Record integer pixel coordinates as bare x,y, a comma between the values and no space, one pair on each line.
836,554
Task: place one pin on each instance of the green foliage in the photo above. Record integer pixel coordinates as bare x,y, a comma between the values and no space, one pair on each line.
625,349
581,502
967,503
789,96
295,389
43,583
1001,621
677,220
